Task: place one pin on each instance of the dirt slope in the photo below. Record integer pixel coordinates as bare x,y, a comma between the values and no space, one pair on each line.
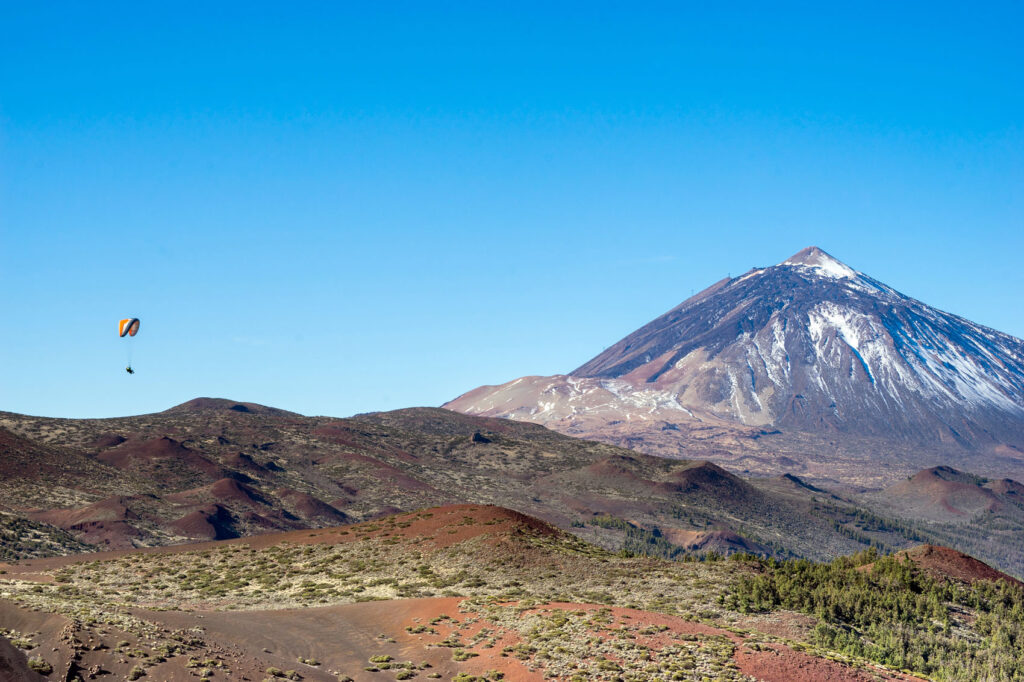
245,607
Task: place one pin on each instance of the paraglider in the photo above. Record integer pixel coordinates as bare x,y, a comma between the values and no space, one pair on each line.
128,327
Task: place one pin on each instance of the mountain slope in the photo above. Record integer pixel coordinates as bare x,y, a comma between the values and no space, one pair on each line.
809,346
464,591
218,473
481,592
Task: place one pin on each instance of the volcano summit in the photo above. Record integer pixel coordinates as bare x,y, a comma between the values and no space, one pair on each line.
806,365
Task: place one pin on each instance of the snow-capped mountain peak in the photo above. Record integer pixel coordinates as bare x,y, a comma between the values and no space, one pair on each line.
809,344
822,263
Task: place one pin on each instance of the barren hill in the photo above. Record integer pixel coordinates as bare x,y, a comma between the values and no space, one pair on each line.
943,494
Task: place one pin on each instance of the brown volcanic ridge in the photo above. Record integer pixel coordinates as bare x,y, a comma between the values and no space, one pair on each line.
945,494
949,563
806,367
206,471
440,637
224,509
217,404
944,563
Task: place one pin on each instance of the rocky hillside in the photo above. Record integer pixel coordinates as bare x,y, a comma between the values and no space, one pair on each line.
473,592
209,471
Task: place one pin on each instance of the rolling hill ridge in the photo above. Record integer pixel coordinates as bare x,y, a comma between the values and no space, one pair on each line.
207,471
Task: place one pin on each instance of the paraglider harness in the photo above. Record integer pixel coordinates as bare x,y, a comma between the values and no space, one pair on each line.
129,369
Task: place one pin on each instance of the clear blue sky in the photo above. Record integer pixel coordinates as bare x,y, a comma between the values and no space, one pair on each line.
342,207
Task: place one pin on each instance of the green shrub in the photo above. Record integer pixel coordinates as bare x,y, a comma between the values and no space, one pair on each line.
41,666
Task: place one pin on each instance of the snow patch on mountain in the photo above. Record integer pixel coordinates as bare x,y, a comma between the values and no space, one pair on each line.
826,267
924,358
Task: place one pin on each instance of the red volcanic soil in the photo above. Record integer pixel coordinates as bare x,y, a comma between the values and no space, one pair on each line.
220,404
223,490
101,523
77,652
308,507
946,563
779,663
124,453
343,639
197,524
112,534
110,509
131,454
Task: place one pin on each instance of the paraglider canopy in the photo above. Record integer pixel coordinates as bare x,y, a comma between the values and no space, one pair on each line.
128,327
